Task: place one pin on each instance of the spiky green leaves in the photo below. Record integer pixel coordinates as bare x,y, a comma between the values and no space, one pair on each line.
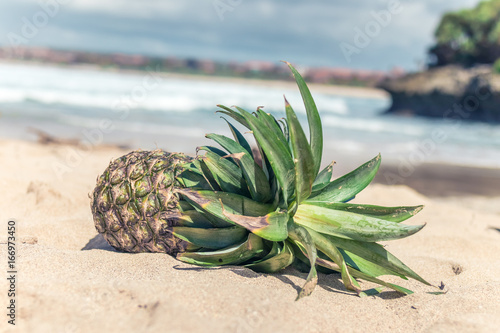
347,186
272,141
256,217
314,120
324,219
280,257
287,206
302,157
252,174
303,240
232,255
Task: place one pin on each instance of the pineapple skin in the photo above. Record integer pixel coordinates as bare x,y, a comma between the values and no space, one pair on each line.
134,205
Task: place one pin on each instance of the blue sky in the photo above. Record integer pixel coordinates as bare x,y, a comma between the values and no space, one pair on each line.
310,33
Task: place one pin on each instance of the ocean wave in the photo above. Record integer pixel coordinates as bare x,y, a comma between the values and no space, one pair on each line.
133,127
108,90
373,125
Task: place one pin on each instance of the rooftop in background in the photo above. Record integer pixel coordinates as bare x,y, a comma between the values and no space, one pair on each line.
249,69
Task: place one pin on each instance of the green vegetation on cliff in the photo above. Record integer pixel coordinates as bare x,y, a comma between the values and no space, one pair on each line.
468,37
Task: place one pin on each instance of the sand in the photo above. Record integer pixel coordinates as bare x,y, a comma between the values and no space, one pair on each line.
62,288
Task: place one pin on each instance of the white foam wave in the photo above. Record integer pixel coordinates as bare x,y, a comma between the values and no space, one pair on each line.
372,125
141,91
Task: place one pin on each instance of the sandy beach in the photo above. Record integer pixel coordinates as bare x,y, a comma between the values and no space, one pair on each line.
62,288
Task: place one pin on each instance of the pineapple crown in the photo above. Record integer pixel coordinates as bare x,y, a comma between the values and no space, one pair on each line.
289,209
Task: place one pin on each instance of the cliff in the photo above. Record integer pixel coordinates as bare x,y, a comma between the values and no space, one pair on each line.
447,92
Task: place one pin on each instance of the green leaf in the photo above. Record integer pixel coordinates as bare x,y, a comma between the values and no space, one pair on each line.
215,150
193,179
213,238
273,126
351,225
190,218
323,178
376,254
313,118
207,174
304,241
278,261
302,156
233,114
226,174
232,255
286,133
212,202
256,179
276,152
357,274
366,266
347,186
238,137
272,226
334,254
393,214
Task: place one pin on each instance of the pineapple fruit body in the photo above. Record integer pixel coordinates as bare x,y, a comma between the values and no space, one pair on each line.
134,203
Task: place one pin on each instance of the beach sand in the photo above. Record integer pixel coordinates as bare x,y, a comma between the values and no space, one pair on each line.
62,288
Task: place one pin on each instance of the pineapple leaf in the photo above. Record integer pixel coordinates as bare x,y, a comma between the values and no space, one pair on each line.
284,126
191,218
315,127
273,126
375,264
233,114
393,214
214,150
360,275
281,257
207,174
276,152
351,225
238,137
334,254
212,238
347,186
231,255
212,202
323,178
226,174
256,179
376,254
272,226
193,179
304,241
302,156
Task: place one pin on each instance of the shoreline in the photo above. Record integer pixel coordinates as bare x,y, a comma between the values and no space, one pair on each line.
340,90
434,180
446,180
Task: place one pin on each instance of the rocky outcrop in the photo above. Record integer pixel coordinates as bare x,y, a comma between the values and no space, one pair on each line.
447,92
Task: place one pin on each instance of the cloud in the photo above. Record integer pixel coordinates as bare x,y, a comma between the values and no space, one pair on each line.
304,32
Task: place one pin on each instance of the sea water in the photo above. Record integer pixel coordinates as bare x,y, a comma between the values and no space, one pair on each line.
147,110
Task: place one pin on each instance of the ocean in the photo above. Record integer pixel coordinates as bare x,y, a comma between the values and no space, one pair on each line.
146,110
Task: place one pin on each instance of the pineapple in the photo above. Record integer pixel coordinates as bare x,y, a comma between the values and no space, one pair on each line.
263,209
133,202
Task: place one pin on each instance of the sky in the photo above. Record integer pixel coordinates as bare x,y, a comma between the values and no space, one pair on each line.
361,34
